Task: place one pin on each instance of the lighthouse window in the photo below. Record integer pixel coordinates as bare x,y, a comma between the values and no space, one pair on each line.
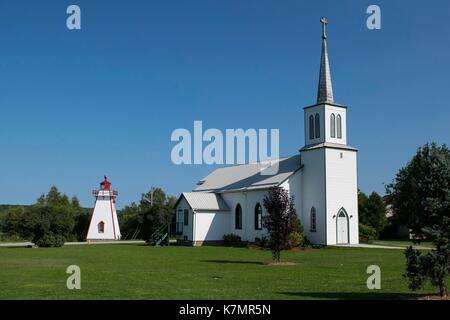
101,227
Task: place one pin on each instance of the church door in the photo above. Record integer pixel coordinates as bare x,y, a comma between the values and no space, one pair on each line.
342,227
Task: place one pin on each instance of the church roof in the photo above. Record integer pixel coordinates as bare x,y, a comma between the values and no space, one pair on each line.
325,90
248,176
205,201
328,145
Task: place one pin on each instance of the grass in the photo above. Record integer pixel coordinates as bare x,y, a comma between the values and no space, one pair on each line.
142,272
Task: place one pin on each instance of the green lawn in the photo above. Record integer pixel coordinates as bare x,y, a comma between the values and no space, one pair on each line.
142,272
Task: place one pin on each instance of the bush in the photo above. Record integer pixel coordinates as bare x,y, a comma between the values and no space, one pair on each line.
50,240
296,239
262,242
366,233
232,240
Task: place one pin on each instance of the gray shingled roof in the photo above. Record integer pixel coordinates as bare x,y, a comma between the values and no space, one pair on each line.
205,201
248,176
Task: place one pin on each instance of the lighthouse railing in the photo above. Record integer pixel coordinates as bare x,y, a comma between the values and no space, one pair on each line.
105,193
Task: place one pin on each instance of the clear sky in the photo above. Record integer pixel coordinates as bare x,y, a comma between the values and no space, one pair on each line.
75,105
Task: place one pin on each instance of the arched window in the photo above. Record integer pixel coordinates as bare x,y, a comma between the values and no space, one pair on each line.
333,125
317,126
311,127
258,217
342,213
313,219
238,217
339,127
101,227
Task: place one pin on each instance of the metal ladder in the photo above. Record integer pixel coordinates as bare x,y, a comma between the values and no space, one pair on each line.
160,236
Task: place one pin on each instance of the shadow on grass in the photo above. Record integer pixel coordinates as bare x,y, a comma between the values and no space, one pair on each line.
233,261
354,295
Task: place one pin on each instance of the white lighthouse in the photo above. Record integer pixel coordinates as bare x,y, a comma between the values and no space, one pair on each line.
104,224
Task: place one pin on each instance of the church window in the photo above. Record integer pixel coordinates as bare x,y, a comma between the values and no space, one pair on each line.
186,217
342,214
317,126
313,219
258,217
101,227
238,217
339,127
333,125
311,127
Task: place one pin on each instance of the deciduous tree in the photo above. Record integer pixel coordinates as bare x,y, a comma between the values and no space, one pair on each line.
420,195
280,220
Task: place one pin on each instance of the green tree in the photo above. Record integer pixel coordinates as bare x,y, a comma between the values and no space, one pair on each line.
372,211
420,195
130,221
12,224
51,221
141,220
51,225
363,216
157,209
376,209
280,221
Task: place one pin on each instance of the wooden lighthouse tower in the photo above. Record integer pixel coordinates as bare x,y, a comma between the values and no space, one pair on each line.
104,224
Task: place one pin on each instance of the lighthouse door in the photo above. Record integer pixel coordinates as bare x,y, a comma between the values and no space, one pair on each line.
342,228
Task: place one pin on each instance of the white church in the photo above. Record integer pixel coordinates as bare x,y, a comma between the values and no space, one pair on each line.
322,178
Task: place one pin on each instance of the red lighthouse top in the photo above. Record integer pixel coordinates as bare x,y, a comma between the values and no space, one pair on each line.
105,184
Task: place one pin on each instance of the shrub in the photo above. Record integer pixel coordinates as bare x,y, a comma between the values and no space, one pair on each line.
296,239
366,233
232,240
50,240
262,242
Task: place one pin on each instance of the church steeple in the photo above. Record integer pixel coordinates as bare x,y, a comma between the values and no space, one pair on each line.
325,90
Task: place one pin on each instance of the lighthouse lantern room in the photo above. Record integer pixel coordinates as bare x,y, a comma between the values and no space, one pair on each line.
104,224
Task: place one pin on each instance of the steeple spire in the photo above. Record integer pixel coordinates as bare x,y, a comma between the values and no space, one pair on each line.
325,91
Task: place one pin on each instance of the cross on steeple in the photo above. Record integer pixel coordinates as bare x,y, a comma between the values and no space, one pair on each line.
324,25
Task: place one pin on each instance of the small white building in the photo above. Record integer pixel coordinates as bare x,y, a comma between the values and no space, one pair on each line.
322,179
104,224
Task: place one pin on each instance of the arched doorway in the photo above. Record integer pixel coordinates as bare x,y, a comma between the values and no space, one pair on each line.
342,232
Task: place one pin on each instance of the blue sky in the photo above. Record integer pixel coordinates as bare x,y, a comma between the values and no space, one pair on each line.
75,105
